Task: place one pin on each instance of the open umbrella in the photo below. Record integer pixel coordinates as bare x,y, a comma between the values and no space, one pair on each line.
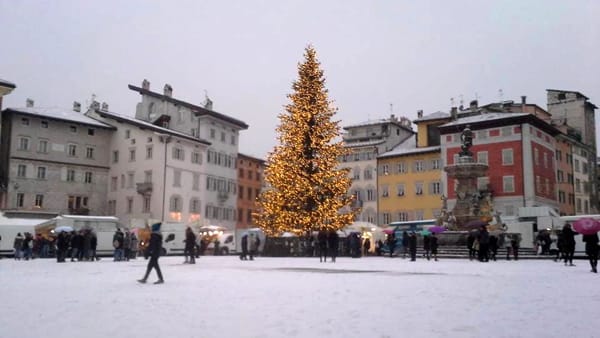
64,228
388,231
586,226
425,232
437,229
476,224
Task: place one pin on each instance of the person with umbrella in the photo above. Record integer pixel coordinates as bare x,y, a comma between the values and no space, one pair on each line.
568,244
426,245
433,243
154,249
591,249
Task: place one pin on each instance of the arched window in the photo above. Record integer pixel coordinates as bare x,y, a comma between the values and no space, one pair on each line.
175,203
195,206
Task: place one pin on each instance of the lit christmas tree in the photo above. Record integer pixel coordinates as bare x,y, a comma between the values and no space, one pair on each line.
306,190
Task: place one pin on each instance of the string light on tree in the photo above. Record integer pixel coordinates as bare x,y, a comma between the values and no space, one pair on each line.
306,189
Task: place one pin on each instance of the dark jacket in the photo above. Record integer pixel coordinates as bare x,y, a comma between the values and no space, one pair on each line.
591,244
155,246
433,242
333,239
426,242
568,237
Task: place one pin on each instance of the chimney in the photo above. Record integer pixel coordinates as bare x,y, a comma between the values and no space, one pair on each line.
393,117
77,106
146,84
168,90
95,105
454,113
523,100
104,106
29,103
419,113
473,104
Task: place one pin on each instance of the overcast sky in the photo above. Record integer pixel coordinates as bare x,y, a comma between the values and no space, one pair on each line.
411,54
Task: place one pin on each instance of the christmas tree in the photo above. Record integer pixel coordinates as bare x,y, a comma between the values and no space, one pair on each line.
306,191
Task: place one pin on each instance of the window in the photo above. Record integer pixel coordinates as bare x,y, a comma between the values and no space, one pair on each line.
20,200
249,193
507,156
115,157
127,134
419,166
536,156
113,183
22,170
72,150
401,168
578,204
23,143
419,215
197,158
368,174
122,181
233,140
175,204
130,179
356,174
400,190
88,177
385,191
112,207
584,167
558,155
386,218
73,129
506,131
41,173
250,174
576,165
545,160
419,188
435,188
39,201
129,205
482,134
148,176
77,202
577,185
482,157
508,183
44,124
212,133
91,132
435,164
70,175
560,176
131,155
43,146
177,178
148,152
146,204
385,169
89,152
25,121
194,206
178,153
371,194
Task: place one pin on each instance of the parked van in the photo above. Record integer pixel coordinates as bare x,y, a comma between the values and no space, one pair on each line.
173,238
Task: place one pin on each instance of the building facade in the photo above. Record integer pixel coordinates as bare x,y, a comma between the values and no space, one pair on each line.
250,183
201,122
519,149
365,141
54,160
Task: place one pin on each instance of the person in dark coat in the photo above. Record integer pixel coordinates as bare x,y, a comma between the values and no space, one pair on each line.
366,246
484,243
154,249
514,245
93,246
412,246
569,244
433,243
470,242
322,240
591,249
244,254
62,245
404,244
391,243
333,241
426,247
18,246
190,245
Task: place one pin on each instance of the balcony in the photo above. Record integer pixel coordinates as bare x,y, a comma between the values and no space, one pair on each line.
144,188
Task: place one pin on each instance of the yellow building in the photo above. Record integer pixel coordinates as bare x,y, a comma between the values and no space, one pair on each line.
410,175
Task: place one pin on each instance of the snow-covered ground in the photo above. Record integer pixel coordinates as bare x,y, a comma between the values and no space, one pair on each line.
299,297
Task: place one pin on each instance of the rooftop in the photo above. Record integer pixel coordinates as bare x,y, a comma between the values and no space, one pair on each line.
364,143
4,83
198,110
439,115
409,147
483,118
148,125
60,114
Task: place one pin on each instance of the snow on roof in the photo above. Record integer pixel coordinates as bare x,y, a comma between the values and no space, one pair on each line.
5,83
60,114
363,144
433,116
91,218
25,222
484,117
149,125
409,146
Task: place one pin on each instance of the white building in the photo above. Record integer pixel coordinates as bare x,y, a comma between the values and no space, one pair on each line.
222,131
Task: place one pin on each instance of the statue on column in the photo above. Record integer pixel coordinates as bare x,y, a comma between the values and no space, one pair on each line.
467,141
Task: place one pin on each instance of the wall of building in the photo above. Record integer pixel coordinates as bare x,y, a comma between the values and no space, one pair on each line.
250,182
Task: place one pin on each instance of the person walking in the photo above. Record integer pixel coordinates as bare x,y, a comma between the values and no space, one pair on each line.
366,246
569,244
514,245
412,246
391,243
493,247
190,244
333,241
134,246
322,240
591,249
484,241
154,249
18,246
404,244
253,243
470,246
244,254
433,243
426,246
